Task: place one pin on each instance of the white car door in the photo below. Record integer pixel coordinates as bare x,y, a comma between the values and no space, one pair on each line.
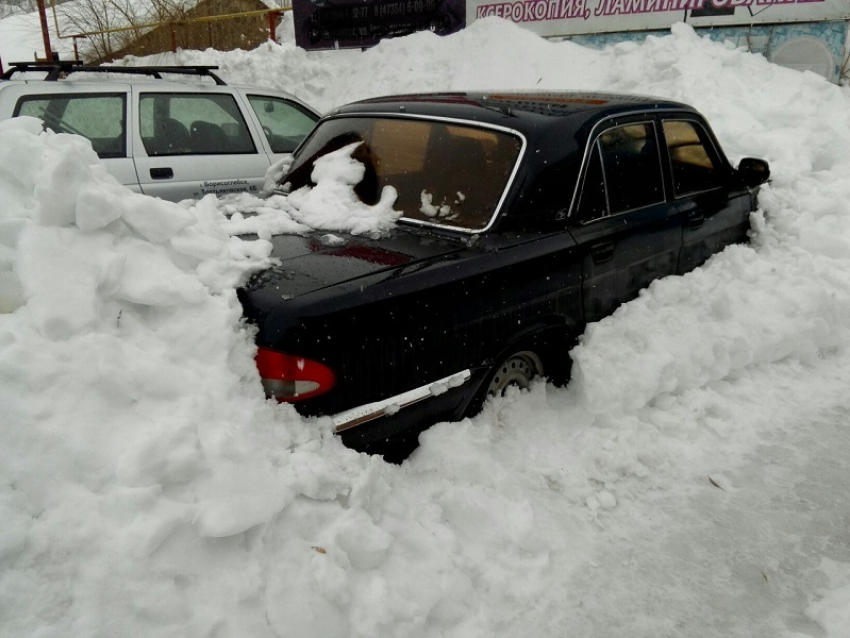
190,144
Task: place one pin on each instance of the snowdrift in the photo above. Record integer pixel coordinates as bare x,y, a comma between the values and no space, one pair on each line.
146,487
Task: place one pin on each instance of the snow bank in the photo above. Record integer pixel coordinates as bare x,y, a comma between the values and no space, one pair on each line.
148,486
677,487
133,425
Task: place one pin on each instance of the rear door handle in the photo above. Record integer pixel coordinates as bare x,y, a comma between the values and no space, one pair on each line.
162,173
602,252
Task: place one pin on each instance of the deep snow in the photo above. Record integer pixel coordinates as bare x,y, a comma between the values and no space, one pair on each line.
691,481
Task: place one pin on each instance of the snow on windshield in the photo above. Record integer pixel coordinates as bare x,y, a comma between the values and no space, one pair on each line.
692,479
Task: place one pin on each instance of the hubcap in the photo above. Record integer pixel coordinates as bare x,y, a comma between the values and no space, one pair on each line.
518,369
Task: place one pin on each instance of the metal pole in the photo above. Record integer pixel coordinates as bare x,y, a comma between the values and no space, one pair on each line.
272,20
45,31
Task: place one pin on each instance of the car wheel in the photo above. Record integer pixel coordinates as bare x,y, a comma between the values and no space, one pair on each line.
518,369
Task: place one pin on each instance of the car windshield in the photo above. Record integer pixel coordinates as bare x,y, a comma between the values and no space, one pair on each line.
445,173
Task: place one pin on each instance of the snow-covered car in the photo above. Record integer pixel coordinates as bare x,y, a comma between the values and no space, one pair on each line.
171,138
524,217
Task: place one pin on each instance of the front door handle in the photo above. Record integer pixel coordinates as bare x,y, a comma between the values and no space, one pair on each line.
162,173
602,252
695,218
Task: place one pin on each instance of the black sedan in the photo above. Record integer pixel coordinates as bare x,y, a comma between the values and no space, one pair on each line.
525,217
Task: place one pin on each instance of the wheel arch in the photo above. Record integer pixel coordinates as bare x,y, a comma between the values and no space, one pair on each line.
551,338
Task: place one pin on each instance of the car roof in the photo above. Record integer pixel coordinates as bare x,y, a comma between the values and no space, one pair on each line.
81,84
176,84
525,111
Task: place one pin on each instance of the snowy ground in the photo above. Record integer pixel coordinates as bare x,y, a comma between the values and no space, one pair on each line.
691,481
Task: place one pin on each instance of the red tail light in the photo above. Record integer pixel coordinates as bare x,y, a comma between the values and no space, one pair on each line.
289,378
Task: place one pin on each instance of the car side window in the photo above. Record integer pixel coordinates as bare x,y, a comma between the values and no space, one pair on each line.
193,124
632,167
691,163
284,123
623,172
100,118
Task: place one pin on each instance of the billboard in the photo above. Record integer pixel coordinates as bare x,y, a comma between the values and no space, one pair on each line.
340,24
575,17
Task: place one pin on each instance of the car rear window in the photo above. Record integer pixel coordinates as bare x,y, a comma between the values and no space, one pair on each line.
446,174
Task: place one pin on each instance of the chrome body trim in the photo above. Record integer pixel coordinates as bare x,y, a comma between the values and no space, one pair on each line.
371,411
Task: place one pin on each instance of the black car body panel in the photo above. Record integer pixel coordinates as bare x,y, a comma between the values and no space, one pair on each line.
608,194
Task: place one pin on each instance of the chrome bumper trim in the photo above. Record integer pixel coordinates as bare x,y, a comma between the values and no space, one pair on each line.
371,411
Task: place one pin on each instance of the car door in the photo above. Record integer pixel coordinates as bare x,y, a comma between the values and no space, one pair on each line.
98,114
628,234
192,144
715,208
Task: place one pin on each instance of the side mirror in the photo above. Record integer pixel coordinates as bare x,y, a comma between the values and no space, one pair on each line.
753,172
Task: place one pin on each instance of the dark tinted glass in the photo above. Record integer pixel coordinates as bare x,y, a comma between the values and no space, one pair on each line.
632,167
691,164
444,173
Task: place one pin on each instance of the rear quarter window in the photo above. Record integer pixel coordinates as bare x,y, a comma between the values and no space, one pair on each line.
100,118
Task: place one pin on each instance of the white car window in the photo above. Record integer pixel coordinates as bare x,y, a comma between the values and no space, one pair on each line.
284,123
99,117
192,124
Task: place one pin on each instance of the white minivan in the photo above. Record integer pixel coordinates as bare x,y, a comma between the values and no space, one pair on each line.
171,138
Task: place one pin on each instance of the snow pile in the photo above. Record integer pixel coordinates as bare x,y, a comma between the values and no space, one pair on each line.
690,481
331,204
148,486
128,386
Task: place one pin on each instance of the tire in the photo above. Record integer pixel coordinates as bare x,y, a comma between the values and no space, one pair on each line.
517,369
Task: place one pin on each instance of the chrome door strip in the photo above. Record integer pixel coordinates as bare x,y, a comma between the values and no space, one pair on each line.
371,411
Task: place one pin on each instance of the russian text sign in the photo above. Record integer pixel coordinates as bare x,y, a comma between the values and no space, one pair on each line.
573,17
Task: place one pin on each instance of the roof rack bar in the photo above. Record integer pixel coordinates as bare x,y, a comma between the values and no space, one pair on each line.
42,65
57,70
